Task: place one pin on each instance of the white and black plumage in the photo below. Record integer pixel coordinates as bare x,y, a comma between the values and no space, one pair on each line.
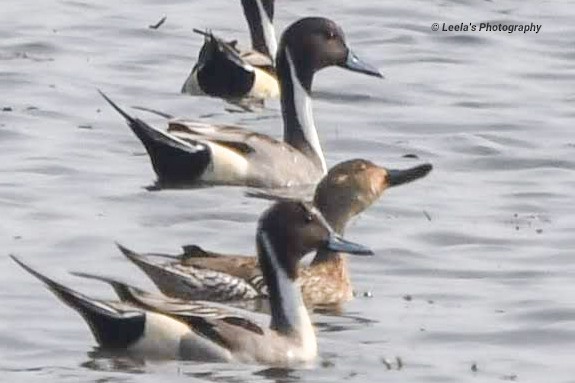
192,153
223,70
286,232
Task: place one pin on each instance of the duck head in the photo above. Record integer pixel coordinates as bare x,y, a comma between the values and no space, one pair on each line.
352,186
314,43
289,230
307,46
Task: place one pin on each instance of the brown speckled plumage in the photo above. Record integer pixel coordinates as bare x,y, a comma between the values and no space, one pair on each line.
349,188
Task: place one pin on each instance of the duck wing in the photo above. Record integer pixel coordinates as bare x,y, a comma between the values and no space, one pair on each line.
298,192
266,154
188,282
203,316
123,326
188,130
259,60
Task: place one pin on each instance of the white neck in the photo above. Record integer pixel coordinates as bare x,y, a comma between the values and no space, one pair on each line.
304,112
269,30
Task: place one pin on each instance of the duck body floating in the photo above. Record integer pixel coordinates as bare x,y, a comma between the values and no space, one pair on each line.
348,189
191,154
286,232
241,76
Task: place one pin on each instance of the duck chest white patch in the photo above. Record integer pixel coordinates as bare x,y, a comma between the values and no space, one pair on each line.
268,28
304,112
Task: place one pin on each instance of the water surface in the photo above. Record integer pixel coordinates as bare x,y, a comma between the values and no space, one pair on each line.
474,269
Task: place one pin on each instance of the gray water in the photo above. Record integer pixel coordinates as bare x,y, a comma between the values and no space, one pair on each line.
475,264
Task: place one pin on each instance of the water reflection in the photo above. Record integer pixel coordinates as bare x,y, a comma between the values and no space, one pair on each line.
119,361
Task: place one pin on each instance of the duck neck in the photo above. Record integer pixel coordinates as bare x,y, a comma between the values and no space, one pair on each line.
336,216
260,15
299,126
337,220
288,311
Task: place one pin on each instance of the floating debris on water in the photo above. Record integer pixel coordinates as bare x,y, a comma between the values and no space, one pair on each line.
327,363
396,364
386,363
532,221
159,23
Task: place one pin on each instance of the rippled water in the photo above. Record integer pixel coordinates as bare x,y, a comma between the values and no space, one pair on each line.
475,264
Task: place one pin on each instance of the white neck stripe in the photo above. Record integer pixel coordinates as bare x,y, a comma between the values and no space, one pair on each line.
269,31
304,113
288,290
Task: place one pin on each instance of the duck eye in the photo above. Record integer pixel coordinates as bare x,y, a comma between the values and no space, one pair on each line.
307,213
329,34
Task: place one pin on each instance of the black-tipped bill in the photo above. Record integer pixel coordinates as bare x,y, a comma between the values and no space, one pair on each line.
353,63
341,245
398,177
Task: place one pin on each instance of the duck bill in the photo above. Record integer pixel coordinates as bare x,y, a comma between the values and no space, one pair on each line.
399,177
341,245
353,63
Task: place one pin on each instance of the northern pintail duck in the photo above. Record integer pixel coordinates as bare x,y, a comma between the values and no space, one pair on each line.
349,188
286,232
195,153
223,70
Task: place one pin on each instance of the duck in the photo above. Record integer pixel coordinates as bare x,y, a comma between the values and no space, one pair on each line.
286,232
192,154
223,70
349,188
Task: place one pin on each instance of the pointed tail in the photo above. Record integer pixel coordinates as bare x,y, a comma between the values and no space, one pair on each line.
140,260
123,290
112,328
161,277
175,161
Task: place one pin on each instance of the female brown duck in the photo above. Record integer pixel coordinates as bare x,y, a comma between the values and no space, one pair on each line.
349,188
